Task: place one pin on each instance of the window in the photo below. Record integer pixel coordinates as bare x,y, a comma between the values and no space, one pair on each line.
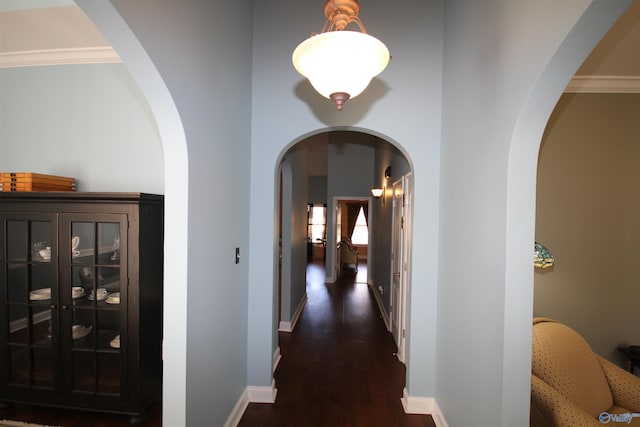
360,235
317,223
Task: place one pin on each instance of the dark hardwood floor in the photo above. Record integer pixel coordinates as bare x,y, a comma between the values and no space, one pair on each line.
338,369
338,366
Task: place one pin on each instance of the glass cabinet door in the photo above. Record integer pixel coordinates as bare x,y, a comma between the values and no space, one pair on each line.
95,276
29,292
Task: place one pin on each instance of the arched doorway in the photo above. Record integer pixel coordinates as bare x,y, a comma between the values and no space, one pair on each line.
521,187
323,170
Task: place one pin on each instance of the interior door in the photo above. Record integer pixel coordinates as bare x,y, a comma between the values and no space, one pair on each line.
397,265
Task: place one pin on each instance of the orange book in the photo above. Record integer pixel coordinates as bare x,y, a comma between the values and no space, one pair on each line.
35,181
37,187
26,176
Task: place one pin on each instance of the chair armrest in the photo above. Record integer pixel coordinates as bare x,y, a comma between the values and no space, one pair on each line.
550,408
625,387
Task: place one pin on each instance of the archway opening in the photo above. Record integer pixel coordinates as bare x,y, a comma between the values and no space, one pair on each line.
587,168
329,171
521,188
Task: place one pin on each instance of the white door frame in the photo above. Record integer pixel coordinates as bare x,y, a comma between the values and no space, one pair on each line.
331,240
399,314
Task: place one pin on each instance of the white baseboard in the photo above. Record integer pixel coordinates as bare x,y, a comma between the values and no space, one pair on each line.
415,404
438,417
251,395
288,326
276,358
385,315
423,405
411,404
236,414
262,394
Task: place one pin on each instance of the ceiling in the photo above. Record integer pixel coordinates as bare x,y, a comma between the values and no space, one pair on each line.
31,35
6,5
49,32
618,53
53,28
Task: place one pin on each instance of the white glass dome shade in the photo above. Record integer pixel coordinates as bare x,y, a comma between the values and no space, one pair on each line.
340,62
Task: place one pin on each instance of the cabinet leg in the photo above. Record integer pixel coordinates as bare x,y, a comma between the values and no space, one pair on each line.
138,419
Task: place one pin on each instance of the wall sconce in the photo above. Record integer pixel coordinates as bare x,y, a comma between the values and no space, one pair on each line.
542,257
376,192
338,63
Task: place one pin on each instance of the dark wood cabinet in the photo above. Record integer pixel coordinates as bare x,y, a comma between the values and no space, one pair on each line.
81,300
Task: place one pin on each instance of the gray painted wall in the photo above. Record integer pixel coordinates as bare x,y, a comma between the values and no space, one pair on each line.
294,232
380,274
298,221
350,172
299,232
318,189
502,78
89,122
209,79
402,106
286,239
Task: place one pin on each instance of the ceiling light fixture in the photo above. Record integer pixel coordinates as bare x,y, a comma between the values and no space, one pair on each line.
340,63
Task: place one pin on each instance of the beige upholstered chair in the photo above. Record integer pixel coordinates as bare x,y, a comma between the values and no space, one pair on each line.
348,255
572,386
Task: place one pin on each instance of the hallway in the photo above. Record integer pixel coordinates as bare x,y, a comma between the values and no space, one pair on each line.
338,366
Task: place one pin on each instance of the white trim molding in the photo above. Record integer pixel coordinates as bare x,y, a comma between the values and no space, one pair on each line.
238,411
285,326
262,394
276,359
33,58
604,84
385,315
250,395
438,416
423,405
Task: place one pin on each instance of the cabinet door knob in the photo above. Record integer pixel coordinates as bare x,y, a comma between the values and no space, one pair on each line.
65,307
53,306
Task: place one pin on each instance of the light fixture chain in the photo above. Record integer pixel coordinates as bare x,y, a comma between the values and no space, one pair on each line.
340,64
336,21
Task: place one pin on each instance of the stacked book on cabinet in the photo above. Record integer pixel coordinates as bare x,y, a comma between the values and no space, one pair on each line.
29,181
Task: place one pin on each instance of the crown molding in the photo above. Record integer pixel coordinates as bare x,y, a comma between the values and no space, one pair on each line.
34,58
107,55
604,84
